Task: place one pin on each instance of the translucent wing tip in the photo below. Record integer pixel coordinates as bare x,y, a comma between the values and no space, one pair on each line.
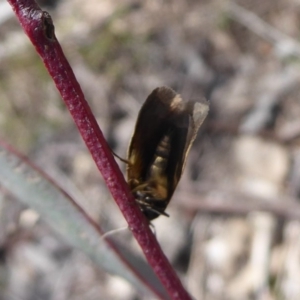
200,112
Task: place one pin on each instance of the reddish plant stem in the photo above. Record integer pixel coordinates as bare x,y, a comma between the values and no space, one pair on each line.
38,26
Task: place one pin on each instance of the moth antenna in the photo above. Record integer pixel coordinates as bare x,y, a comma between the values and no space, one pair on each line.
149,208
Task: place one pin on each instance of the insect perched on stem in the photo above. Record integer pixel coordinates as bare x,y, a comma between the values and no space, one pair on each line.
164,133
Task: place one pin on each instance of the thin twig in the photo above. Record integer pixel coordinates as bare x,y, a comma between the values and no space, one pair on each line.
239,204
284,44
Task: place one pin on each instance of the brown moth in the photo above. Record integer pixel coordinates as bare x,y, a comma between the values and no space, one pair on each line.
165,130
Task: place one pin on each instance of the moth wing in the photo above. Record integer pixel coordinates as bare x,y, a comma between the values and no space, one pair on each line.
183,124
149,129
197,114
164,113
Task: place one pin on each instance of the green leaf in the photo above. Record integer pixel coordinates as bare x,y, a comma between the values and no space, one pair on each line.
35,189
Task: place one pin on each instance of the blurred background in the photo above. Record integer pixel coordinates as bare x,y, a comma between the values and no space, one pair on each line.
234,230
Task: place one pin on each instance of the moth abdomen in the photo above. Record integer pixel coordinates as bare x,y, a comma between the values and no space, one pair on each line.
161,157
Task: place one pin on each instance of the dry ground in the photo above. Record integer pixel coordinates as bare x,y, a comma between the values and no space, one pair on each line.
234,230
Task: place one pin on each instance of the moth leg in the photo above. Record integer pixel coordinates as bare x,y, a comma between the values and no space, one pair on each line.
120,158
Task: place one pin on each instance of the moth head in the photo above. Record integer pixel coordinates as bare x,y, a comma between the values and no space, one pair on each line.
150,205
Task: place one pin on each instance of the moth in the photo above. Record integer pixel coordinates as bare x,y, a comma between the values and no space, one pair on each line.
165,130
